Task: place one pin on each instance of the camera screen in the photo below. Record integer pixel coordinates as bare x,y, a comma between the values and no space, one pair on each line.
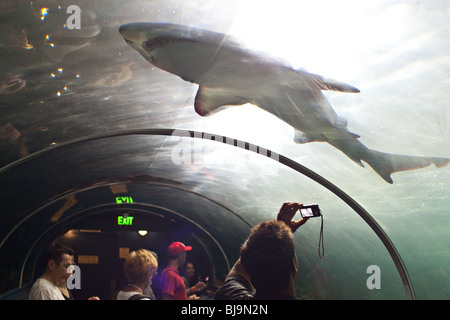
307,212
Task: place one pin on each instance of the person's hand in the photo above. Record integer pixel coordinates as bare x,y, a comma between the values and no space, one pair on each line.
199,286
287,212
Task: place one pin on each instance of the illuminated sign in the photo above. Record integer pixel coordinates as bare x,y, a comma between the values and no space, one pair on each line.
120,200
125,221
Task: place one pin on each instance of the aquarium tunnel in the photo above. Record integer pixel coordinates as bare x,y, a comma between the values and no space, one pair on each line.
104,151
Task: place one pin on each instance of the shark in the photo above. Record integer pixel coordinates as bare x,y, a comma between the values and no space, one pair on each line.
230,74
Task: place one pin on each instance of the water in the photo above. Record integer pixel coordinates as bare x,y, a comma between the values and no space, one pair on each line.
59,84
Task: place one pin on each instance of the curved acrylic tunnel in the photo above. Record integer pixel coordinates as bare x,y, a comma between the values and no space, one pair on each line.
96,143
158,178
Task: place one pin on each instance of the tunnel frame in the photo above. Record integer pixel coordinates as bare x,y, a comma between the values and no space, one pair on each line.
371,222
108,209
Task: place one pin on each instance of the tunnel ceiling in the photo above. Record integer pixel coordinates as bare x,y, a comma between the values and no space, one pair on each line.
77,104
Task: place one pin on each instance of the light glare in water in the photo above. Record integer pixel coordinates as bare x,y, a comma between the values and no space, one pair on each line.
337,43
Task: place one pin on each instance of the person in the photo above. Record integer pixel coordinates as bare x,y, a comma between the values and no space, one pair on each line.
53,281
193,285
267,261
172,285
46,287
67,294
140,267
149,290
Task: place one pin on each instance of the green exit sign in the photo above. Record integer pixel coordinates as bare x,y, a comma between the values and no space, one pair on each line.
120,200
125,220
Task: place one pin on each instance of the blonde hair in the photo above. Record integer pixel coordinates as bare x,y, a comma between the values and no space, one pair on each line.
140,266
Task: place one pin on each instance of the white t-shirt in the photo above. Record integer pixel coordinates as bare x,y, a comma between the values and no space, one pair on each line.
125,295
43,289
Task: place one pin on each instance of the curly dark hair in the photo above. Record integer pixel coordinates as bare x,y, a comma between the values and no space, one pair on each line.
267,256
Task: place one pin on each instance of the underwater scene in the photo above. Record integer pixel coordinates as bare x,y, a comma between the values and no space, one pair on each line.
196,120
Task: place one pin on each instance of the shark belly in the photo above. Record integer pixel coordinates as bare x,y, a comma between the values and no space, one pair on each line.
228,74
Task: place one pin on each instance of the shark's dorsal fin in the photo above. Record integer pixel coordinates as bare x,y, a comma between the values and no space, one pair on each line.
211,100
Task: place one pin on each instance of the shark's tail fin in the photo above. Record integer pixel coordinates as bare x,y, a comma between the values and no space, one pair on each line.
385,164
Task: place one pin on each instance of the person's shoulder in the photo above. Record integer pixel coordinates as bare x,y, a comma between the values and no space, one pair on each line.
42,282
131,295
235,287
43,289
171,270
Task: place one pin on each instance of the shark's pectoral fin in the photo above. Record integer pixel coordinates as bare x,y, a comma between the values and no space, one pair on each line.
344,122
302,138
211,100
323,83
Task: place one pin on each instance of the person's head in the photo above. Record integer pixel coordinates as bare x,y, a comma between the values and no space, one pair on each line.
140,266
269,258
70,271
177,251
189,269
58,258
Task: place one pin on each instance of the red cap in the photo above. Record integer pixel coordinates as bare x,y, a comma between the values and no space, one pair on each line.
177,247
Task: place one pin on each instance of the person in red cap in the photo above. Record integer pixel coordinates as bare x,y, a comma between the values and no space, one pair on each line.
173,287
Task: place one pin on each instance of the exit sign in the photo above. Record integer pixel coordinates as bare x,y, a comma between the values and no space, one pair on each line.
125,220
120,200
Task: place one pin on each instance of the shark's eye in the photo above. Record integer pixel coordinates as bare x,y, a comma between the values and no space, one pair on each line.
148,45
153,43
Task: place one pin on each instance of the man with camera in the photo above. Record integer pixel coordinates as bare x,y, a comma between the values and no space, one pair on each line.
267,261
